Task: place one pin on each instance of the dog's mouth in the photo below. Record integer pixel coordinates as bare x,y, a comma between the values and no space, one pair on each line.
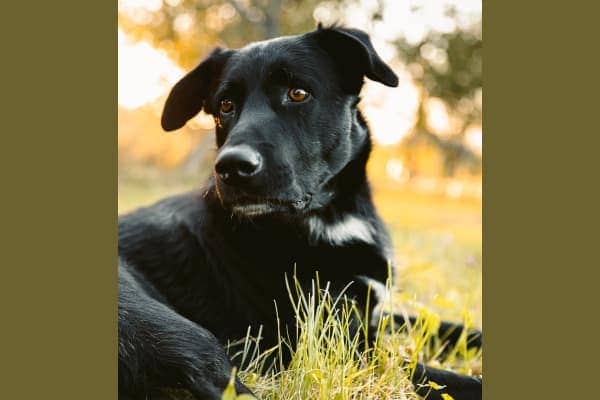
253,207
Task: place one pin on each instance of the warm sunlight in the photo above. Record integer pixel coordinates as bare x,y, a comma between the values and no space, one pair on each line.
145,73
474,138
390,113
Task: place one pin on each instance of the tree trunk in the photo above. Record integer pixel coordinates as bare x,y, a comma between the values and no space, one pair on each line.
273,19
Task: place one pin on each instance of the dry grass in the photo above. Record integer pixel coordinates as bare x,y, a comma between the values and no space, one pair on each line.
438,256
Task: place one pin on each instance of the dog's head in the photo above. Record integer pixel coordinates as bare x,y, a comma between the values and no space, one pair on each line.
286,116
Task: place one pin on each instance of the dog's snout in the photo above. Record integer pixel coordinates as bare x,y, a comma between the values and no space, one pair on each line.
237,163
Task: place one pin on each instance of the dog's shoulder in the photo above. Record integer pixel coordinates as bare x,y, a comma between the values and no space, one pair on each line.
165,214
164,232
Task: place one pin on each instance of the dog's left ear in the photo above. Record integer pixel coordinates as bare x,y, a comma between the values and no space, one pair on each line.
353,52
189,95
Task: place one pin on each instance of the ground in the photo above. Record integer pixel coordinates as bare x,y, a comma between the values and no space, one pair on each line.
437,241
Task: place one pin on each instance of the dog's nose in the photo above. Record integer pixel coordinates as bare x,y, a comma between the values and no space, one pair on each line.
238,162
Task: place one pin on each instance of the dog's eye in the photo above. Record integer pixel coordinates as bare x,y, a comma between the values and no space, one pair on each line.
226,106
297,94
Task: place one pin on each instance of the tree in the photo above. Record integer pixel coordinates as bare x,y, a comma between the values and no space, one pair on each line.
445,65
448,66
188,29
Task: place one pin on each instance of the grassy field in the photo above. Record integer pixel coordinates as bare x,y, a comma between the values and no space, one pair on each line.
437,243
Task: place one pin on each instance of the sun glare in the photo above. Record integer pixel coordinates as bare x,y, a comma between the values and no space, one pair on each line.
145,73
474,138
437,115
390,113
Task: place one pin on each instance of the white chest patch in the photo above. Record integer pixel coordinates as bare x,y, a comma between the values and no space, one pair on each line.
347,229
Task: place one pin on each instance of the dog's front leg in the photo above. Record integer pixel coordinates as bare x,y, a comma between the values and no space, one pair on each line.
159,349
448,332
460,387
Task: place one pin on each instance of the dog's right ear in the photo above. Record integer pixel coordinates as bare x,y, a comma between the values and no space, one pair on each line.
189,95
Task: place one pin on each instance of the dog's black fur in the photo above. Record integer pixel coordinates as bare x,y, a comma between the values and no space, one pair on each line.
289,192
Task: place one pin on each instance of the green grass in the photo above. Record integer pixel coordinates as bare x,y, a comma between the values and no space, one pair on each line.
328,363
437,244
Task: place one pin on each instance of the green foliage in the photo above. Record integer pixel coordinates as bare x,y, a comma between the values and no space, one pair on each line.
448,66
445,65
188,29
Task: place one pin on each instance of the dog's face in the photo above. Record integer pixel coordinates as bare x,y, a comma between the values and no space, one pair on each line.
286,116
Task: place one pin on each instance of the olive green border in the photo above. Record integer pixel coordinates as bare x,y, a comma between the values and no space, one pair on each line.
540,109
59,201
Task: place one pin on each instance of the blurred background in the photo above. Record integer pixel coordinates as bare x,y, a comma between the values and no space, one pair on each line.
426,164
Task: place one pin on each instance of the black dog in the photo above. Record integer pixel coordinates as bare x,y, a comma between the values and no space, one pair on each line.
289,191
